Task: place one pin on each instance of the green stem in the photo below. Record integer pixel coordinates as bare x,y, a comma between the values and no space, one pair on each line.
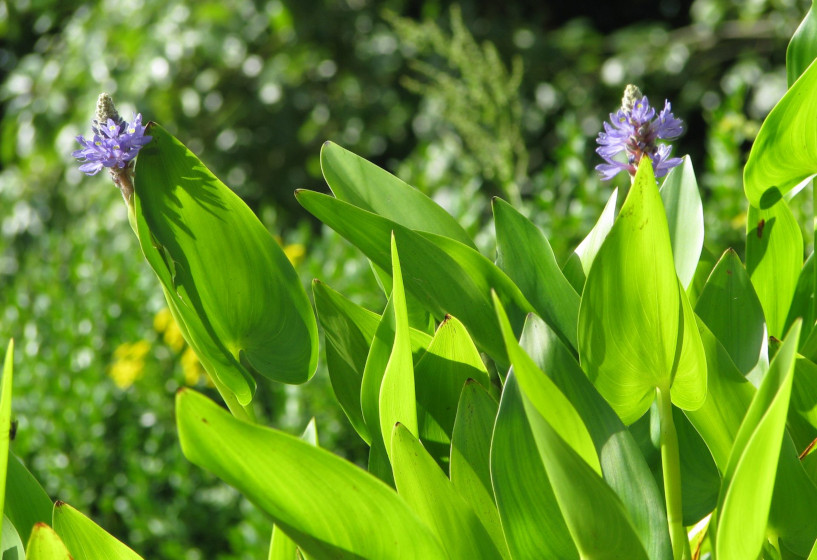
814,250
671,466
240,411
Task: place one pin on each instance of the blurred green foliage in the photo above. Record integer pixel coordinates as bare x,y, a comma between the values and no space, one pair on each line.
467,104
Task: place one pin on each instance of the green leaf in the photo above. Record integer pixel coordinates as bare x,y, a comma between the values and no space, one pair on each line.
729,395
446,276
5,420
623,466
281,546
471,458
422,484
784,153
348,332
26,501
730,308
685,217
367,186
802,304
774,257
450,361
546,397
803,46
226,279
636,327
705,266
594,515
748,483
803,402
45,544
532,520
86,540
525,255
397,399
328,506
12,545
578,264
376,362
727,399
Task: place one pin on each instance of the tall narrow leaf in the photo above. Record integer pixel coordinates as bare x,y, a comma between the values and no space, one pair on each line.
803,46
5,421
685,216
398,402
525,255
86,540
578,264
622,464
26,501
470,467
446,276
774,257
547,399
636,328
45,544
730,308
242,305
746,492
367,186
431,495
328,506
451,360
532,521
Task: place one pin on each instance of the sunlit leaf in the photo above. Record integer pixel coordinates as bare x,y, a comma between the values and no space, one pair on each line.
774,257
730,308
578,264
470,467
422,484
365,185
446,276
11,546
45,544
802,48
26,501
86,540
227,281
559,413
397,399
532,521
784,153
348,514
748,482
623,466
685,216
636,328
450,361
525,255
5,420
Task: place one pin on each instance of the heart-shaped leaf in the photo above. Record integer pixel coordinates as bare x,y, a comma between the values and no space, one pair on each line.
228,283
636,327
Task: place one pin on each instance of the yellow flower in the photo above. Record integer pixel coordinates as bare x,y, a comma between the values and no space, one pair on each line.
129,363
295,253
164,323
192,368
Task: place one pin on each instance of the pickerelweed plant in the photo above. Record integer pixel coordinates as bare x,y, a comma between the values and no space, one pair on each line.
516,407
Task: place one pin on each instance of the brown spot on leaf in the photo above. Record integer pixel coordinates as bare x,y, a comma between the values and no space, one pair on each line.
760,225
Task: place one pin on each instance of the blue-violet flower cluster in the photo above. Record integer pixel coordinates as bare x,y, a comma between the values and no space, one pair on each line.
113,145
634,129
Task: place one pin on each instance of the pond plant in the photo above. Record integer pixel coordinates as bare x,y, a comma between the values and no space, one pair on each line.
642,398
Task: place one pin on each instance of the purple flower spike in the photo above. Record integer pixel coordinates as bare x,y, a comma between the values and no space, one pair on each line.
113,145
634,130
